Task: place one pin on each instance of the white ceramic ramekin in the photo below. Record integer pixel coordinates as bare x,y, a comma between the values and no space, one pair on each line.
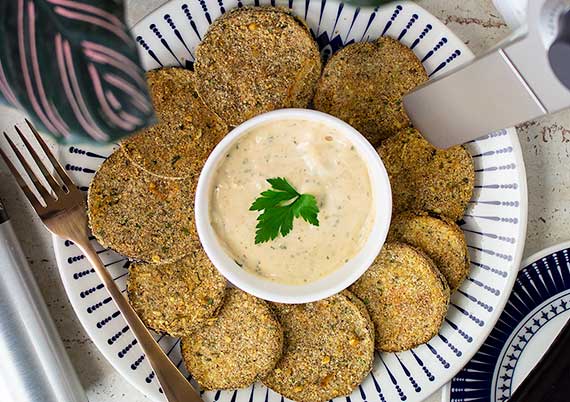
330,284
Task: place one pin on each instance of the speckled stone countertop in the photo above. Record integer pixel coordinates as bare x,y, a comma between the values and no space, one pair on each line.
546,149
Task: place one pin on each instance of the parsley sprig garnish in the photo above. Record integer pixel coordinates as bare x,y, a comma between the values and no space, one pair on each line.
280,205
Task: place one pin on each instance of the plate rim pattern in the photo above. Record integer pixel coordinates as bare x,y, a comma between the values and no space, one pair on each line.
404,373
527,275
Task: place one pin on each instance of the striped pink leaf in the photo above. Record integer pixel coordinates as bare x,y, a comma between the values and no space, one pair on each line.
73,67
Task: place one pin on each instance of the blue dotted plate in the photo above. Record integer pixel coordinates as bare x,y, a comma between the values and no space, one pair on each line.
537,309
495,223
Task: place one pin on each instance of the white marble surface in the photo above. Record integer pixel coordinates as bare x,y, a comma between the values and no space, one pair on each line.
545,143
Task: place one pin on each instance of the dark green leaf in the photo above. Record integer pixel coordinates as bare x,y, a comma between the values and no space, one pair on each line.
306,207
270,222
277,218
270,199
279,183
73,67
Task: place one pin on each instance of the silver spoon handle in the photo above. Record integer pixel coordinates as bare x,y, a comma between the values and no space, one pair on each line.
33,360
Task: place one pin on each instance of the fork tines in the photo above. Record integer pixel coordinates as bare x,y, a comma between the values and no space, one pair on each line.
53,186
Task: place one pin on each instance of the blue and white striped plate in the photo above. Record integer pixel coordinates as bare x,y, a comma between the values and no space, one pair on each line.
495,223
537,309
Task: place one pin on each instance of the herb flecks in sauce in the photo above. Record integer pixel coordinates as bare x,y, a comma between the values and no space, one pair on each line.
298,150
280,205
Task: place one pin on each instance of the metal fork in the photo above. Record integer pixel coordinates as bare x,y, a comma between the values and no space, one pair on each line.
64,214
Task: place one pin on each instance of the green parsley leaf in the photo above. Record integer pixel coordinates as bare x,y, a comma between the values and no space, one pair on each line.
306,207
281,184
278,213
270,198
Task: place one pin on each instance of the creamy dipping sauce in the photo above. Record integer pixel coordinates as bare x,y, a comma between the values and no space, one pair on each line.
316,159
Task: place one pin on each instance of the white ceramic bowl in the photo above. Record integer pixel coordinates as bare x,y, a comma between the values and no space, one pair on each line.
335,281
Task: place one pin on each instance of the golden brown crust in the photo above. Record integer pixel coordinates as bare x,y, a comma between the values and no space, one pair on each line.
238,347
362,308
406,296
425,178
179,297
186,132
440,238
140,215
254,60
329,349
363,84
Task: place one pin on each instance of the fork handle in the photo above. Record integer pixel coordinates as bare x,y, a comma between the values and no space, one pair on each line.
175,386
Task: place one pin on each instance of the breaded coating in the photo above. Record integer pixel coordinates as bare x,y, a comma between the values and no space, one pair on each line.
241,345
140,215
254,60
404,156
406,296
186,132
440,238
362,308
425,178
364,83
329,349
178,297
